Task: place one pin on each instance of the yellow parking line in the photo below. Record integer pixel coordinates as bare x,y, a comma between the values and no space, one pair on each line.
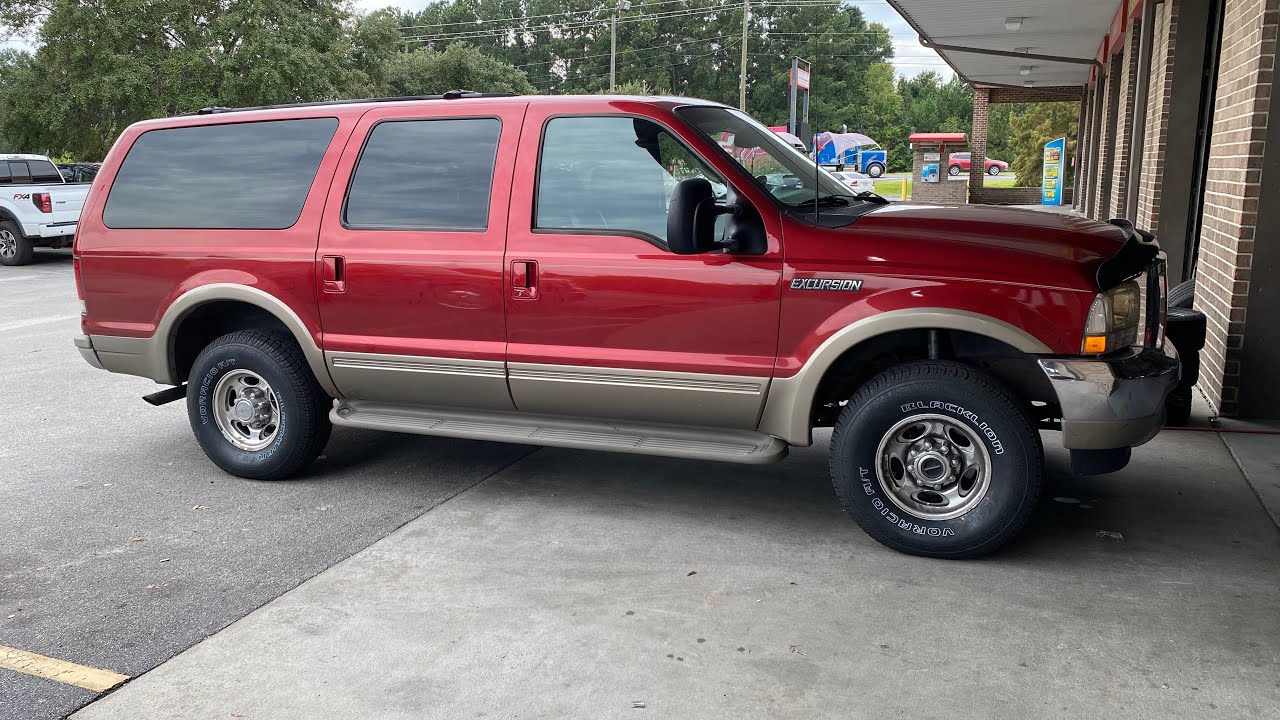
82,676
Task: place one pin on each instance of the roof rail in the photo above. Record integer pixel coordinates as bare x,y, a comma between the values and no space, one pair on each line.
451,95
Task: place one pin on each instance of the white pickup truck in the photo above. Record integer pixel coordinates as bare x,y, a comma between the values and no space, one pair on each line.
37,208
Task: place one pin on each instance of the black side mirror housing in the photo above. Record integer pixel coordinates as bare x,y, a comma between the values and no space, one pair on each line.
691,218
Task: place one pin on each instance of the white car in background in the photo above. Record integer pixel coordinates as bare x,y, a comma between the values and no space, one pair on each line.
858,182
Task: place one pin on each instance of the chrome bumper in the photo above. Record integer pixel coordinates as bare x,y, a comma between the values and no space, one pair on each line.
85,345
1113,402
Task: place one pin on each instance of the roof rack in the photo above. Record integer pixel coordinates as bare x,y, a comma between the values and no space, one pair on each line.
451,95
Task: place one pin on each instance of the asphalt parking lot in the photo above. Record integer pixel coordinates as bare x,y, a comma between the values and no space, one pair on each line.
412,577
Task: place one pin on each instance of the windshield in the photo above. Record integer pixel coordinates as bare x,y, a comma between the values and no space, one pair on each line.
780,169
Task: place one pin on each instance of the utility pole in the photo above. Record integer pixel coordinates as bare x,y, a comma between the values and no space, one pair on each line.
613,42
742,77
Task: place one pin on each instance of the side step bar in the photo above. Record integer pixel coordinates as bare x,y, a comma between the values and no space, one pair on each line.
736,446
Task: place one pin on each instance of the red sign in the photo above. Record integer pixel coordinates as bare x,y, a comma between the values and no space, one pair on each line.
801,79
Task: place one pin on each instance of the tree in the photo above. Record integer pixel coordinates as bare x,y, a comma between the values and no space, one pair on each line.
1030,130
426,72
930,105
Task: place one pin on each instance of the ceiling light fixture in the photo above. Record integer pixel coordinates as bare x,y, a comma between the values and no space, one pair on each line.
1013,24
1023,50
1029,83
1026,69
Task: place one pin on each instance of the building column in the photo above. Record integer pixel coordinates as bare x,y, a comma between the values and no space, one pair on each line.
978,143
1123,132
1080,172
1100,203
1237,274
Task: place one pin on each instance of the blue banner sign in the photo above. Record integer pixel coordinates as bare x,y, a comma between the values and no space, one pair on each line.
1055,157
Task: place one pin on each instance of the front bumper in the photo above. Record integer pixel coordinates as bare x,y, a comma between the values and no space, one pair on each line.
1115,401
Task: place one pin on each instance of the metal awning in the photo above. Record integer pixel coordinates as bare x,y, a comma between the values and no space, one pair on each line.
1051,43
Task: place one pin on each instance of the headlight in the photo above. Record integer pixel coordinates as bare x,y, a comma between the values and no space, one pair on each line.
1114,319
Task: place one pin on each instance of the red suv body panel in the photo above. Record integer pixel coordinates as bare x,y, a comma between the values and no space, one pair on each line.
603,300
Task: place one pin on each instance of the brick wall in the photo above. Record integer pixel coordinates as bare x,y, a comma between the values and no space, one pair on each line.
1013,195
1100,200
1164,39
1123,129
978,137
1245,73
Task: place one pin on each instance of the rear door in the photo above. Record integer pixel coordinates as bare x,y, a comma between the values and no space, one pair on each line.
603,320
410,255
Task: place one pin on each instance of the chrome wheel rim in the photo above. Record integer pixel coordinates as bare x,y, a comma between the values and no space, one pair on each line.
933,467
246,410
8,244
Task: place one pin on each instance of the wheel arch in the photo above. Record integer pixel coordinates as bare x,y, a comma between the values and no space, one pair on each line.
789,409
210,311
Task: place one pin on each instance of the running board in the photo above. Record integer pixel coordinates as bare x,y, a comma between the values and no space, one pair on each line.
736,446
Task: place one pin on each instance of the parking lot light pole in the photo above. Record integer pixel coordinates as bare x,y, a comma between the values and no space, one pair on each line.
613,42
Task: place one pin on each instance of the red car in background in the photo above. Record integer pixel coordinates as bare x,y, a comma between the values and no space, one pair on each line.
960,163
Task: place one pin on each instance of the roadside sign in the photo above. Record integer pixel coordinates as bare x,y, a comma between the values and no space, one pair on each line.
801,79
1055,155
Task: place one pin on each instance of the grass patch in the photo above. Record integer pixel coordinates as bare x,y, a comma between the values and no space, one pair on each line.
892,187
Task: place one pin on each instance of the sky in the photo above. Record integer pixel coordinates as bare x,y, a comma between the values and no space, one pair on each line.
910,57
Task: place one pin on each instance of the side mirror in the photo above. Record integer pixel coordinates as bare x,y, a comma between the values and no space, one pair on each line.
691,218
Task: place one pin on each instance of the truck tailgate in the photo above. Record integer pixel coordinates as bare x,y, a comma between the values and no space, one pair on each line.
68,201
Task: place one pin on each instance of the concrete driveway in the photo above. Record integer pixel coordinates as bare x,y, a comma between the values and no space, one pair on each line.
579,585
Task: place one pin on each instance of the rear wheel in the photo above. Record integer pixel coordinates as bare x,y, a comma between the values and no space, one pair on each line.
953,170
936,459
255,408
15,248
875,170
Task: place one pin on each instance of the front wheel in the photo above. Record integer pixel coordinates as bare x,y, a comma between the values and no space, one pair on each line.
936,459
255,408
953,170
993,170
875,170
15,248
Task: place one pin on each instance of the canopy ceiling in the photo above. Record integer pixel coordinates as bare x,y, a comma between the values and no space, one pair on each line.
1071,29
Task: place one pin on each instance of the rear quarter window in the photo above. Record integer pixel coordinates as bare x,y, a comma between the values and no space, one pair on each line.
236,176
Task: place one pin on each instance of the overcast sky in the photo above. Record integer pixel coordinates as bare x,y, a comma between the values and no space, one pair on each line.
911,58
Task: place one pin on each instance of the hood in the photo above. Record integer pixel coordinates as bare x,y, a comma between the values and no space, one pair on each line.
990,243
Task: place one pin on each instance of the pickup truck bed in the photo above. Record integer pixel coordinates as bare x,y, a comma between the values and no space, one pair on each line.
37,208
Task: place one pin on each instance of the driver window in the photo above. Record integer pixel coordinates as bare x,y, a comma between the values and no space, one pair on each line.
612,175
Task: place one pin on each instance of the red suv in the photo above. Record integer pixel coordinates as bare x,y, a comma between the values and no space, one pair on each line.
960,162
615,273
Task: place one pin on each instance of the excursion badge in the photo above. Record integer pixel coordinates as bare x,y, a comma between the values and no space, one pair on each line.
826,284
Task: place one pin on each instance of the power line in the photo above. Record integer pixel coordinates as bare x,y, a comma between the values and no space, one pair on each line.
641,49
722,48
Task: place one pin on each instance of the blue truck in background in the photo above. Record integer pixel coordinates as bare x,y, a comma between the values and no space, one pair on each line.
852,150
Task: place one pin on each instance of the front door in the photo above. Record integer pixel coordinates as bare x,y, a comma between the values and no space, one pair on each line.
602,319
411,254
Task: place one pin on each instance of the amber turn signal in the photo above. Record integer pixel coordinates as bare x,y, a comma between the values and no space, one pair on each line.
1095,344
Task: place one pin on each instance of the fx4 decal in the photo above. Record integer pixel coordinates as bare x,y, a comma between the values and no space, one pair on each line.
826,284
22,196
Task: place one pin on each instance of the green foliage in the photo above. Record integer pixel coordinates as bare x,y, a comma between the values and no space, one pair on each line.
1034,126
929,105
426,72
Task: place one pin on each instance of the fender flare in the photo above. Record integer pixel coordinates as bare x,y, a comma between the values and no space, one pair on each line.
790,402
161,348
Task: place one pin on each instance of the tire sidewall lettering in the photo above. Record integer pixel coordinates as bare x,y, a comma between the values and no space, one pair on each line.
993,438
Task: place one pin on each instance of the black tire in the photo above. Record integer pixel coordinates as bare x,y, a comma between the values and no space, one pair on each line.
303,427
1178,407
993,170
1186,329
965,397
1183,294
15,248
875,170
954,170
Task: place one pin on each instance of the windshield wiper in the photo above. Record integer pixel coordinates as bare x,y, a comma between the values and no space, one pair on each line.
878,199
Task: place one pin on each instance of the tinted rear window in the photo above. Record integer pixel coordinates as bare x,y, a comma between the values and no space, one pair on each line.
19,172
44,172
235,176
425,174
